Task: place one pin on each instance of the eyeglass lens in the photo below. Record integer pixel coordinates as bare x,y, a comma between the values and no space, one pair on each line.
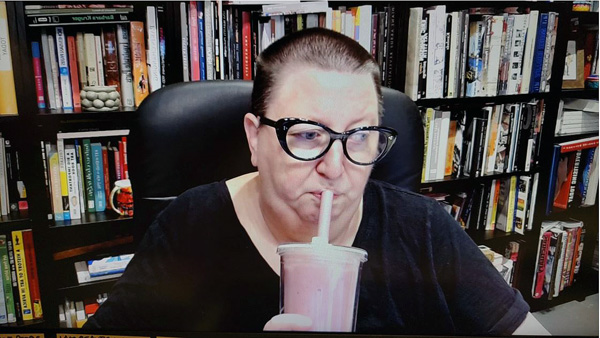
308,141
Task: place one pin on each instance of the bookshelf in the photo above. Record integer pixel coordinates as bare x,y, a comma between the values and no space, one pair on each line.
57,242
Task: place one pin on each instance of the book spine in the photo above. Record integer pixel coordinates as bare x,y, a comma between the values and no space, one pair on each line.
546,53
74,78
200,10
72,182
473,86
423,52
528,51
48,70
127,95
106,175
99,59
246,37
54,71
90,59
9,300
54,167
4,207
80,178
75,19
138,59
32,273
22,278
574,177
111,62
538,55
63,67
98,171
37,71
411,82
89,175
11,178
8,98
162,45
193,37
209,40
14,279
153,53
22,192
64,188
80,43
124,162
516,54
542,257
185,52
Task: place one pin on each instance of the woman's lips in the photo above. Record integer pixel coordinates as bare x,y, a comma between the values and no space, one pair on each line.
318,194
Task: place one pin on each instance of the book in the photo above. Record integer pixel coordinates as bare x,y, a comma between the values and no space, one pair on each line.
72,181
22,278
541,261
516,53
201,43
590,198
8,300
475,64
64,187
411,85
48,70
83,274
73,73
106,173
91,64
89,175
138,59
126,74
80,177
99,48
54,169
8,97
528,51
98,177
14,278
63,66
436,51
4,205
75,19
37,71
111,62
55,75
32,273
80,44
153,53
538,54
108,265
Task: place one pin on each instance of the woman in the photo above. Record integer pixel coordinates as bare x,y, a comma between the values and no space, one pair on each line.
209,262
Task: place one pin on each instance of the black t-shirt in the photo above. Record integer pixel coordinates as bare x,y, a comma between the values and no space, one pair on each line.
197,270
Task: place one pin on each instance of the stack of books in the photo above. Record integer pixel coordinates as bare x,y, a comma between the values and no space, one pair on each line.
577,116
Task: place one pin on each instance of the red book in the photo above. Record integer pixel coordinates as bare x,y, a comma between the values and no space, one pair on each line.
121,160
575,254
111,62
107,187
246,49
194,47
37,72
72,49
538,286
564,176
124,158
118,171
32,275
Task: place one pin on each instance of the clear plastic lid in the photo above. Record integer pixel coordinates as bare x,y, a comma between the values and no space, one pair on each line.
326,251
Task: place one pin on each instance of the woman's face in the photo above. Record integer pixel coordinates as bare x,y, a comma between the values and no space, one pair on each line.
291,187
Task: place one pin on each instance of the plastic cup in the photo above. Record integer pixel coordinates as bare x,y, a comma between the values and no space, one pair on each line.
322,283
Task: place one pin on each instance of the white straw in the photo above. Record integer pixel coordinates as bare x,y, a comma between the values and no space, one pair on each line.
325,215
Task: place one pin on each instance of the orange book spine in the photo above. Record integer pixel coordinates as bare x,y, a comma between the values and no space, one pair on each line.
72,49
32,274
138,59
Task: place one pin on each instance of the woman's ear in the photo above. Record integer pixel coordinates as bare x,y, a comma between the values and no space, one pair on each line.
251,124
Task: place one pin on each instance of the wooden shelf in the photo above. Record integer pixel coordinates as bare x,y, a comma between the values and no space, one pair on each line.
92,218
479,178
580,93
89,287
21,218
482,236
480,100
25,323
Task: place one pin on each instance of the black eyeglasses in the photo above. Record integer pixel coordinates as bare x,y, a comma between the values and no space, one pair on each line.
307,140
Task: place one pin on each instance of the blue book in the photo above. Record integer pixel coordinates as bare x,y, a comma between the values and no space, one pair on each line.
538,54
552,181
200,7
98,174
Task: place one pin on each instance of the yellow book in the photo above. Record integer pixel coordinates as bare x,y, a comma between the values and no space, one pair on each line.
138,60
8,96
21,267
428,121
512,195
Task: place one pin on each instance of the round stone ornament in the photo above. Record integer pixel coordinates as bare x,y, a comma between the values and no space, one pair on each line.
100,98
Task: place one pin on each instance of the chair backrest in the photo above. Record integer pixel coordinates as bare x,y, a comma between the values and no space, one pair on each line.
192,133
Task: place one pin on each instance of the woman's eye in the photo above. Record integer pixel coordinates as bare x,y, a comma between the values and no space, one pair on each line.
359,137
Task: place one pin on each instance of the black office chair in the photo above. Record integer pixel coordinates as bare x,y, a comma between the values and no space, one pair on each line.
192,133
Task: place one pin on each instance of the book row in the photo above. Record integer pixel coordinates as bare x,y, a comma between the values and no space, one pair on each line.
558,260
577,116
69,61
101,269
505,264
573,175
20,297
222,42
13,195
81,172
479,52
73,314
497,139
504,204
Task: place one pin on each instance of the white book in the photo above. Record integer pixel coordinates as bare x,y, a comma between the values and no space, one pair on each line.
523,185
4,207
55,73
443,148
349,25
127,95
528,52
492,143
454,64
99,58
411,85
436,52
548,73
63,68
434,144
312,21
220,37
80,177
81,60
430,136
48,70
516,53
153,58
92,134
185,58
488,135
531,206
209,46
72,182
329,18
515,128
91,65
365,31
493,68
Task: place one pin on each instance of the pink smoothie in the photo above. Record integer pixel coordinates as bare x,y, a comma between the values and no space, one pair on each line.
321,282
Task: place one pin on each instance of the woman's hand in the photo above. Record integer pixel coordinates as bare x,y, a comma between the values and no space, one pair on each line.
289,322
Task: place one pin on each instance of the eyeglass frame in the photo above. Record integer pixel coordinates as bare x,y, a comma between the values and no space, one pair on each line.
282,126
